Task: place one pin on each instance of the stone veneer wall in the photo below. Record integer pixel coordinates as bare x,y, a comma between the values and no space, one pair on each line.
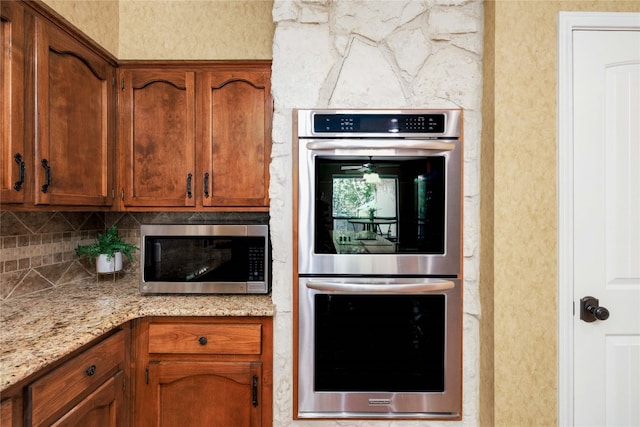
373,54
37,249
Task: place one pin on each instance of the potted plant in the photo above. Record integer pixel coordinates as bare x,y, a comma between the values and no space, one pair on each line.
108,250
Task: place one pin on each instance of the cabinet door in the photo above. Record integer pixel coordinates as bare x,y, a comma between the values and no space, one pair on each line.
235,115
207,394
6,413
102,408
74,121
12,142
157,134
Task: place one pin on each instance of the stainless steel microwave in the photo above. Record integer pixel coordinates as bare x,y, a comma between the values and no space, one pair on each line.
204,259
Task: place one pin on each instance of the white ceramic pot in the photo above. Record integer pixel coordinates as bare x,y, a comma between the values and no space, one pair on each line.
111,266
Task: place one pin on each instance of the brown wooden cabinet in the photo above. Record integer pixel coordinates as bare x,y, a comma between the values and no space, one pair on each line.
88,389
195,135
13,153
74,113
157,137
58,112
235,115
205,372
11,411
102,408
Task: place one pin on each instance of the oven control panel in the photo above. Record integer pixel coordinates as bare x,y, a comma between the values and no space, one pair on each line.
379,123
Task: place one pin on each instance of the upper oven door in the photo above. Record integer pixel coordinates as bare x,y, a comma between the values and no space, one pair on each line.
379,206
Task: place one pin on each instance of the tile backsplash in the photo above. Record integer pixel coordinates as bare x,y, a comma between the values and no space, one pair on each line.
37,249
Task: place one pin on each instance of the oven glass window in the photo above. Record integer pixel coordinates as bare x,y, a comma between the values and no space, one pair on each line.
393,343
380,206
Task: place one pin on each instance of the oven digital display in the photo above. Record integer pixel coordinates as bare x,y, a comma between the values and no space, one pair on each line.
379,123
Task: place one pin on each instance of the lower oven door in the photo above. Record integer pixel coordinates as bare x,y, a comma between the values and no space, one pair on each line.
379,348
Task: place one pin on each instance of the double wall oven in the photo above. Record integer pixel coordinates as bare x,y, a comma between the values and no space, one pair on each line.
379,281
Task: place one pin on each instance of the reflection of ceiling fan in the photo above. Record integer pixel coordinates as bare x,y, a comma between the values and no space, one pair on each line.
363,168
367,167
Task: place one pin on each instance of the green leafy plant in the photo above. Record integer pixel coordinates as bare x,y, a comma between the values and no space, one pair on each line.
108,244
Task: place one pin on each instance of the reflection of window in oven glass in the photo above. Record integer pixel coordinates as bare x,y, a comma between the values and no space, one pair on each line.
356,200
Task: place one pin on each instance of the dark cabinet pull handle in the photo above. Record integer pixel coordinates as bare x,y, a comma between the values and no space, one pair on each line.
189,178
91,370
254,391
47,171
212,178
18,185
206,185
202,340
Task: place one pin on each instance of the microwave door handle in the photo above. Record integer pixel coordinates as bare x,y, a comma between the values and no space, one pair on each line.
400,288
401,144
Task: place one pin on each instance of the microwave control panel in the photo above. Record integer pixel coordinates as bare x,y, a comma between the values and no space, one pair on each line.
255,270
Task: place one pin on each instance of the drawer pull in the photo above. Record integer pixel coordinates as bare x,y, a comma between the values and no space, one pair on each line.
202,340
90,370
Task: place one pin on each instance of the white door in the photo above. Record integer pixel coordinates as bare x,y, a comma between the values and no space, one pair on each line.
605,221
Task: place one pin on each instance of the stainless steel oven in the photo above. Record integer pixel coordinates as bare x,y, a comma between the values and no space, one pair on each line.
379,191
379,348
379,277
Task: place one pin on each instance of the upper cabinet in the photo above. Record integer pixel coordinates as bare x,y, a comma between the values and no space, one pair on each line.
12,142
195,135
235,115
75,107
58,113
157,138
80,130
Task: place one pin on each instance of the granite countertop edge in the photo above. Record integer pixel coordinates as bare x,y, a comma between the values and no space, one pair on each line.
42,327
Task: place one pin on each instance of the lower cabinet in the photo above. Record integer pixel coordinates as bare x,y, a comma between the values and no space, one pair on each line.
214,372
87,390
214,394
102,408
158,371
8,417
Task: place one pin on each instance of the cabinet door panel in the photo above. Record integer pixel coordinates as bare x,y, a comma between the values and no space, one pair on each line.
236,119
102,408
12,141
158,137
211,394
75,102
6,413
53,392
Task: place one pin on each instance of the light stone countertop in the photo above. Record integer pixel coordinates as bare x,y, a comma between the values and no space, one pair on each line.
38,329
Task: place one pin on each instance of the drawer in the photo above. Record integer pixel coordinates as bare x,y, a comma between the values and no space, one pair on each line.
203,338
78,375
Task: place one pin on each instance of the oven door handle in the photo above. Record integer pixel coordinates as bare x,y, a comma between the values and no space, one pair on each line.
371,143
386,288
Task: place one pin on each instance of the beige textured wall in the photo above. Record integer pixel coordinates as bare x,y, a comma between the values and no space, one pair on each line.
486,383
174,29
523,261
96,18
198,29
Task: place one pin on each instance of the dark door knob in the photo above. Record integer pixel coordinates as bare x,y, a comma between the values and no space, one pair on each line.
590,310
